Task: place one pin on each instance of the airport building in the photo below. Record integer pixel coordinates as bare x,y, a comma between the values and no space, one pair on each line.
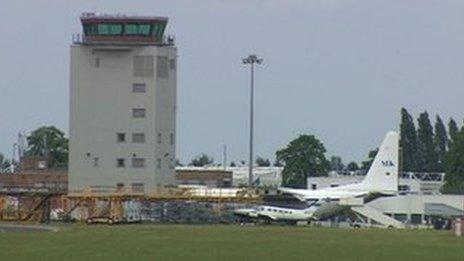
122,104
419,203
417,210
262,176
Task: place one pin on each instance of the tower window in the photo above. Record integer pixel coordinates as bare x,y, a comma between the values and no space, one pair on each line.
96,162
138,113
105,29
130,29
143,66
137,187
139,88
138,163
172,163
138,137
121,137
138,29
162,67
158,138
172,64
158,163
120,163
171,138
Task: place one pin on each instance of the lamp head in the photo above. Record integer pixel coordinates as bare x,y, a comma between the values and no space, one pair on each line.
252,58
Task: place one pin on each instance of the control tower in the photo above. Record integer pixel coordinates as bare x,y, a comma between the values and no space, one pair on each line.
122,104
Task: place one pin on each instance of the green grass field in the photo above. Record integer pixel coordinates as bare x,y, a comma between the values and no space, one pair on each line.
184,242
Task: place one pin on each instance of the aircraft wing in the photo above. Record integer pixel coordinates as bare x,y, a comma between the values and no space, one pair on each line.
305,194
300,194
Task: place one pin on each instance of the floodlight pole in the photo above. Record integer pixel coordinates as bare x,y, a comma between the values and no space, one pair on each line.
224,156
251,60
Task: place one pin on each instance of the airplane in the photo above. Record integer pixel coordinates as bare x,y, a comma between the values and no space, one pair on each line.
381,180
270,214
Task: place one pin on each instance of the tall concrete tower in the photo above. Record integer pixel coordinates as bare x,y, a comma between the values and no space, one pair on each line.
123,104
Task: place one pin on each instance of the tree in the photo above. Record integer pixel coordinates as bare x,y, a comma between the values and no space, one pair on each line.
452,130
261,162
5,164
454,165
49,142
352,166
427,156
408,141
232,164
336,163
303,157
278,163
201,160
441,143
365,165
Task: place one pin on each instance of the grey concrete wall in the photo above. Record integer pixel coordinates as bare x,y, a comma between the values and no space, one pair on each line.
101,103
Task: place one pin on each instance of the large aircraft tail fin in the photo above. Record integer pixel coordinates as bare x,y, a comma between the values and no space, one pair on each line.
383,174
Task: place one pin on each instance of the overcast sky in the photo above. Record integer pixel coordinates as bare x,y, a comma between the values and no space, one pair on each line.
338,69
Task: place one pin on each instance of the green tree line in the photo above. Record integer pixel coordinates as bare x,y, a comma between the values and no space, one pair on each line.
433,148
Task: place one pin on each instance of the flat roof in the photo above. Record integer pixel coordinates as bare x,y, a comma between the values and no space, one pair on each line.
88,17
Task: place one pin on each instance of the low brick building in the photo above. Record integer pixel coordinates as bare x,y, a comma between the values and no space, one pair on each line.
57,180
209,178
51,180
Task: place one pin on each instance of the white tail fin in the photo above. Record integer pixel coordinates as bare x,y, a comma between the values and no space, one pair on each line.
383,173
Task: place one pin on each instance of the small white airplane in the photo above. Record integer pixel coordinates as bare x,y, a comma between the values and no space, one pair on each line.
380,180
273,213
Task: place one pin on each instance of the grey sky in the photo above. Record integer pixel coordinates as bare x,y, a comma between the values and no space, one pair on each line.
338,69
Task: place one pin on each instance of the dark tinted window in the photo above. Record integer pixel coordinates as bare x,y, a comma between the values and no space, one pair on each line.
134,29
103,29
137,29
120,163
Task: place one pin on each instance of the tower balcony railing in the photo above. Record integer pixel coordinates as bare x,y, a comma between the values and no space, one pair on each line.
165,40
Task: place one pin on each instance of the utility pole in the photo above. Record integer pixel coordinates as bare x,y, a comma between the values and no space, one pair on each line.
251,60
224,156
12,166
45,150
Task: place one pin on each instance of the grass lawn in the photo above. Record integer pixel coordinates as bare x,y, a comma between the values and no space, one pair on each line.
185,242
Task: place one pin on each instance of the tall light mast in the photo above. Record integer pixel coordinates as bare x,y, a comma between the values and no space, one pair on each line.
251,60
